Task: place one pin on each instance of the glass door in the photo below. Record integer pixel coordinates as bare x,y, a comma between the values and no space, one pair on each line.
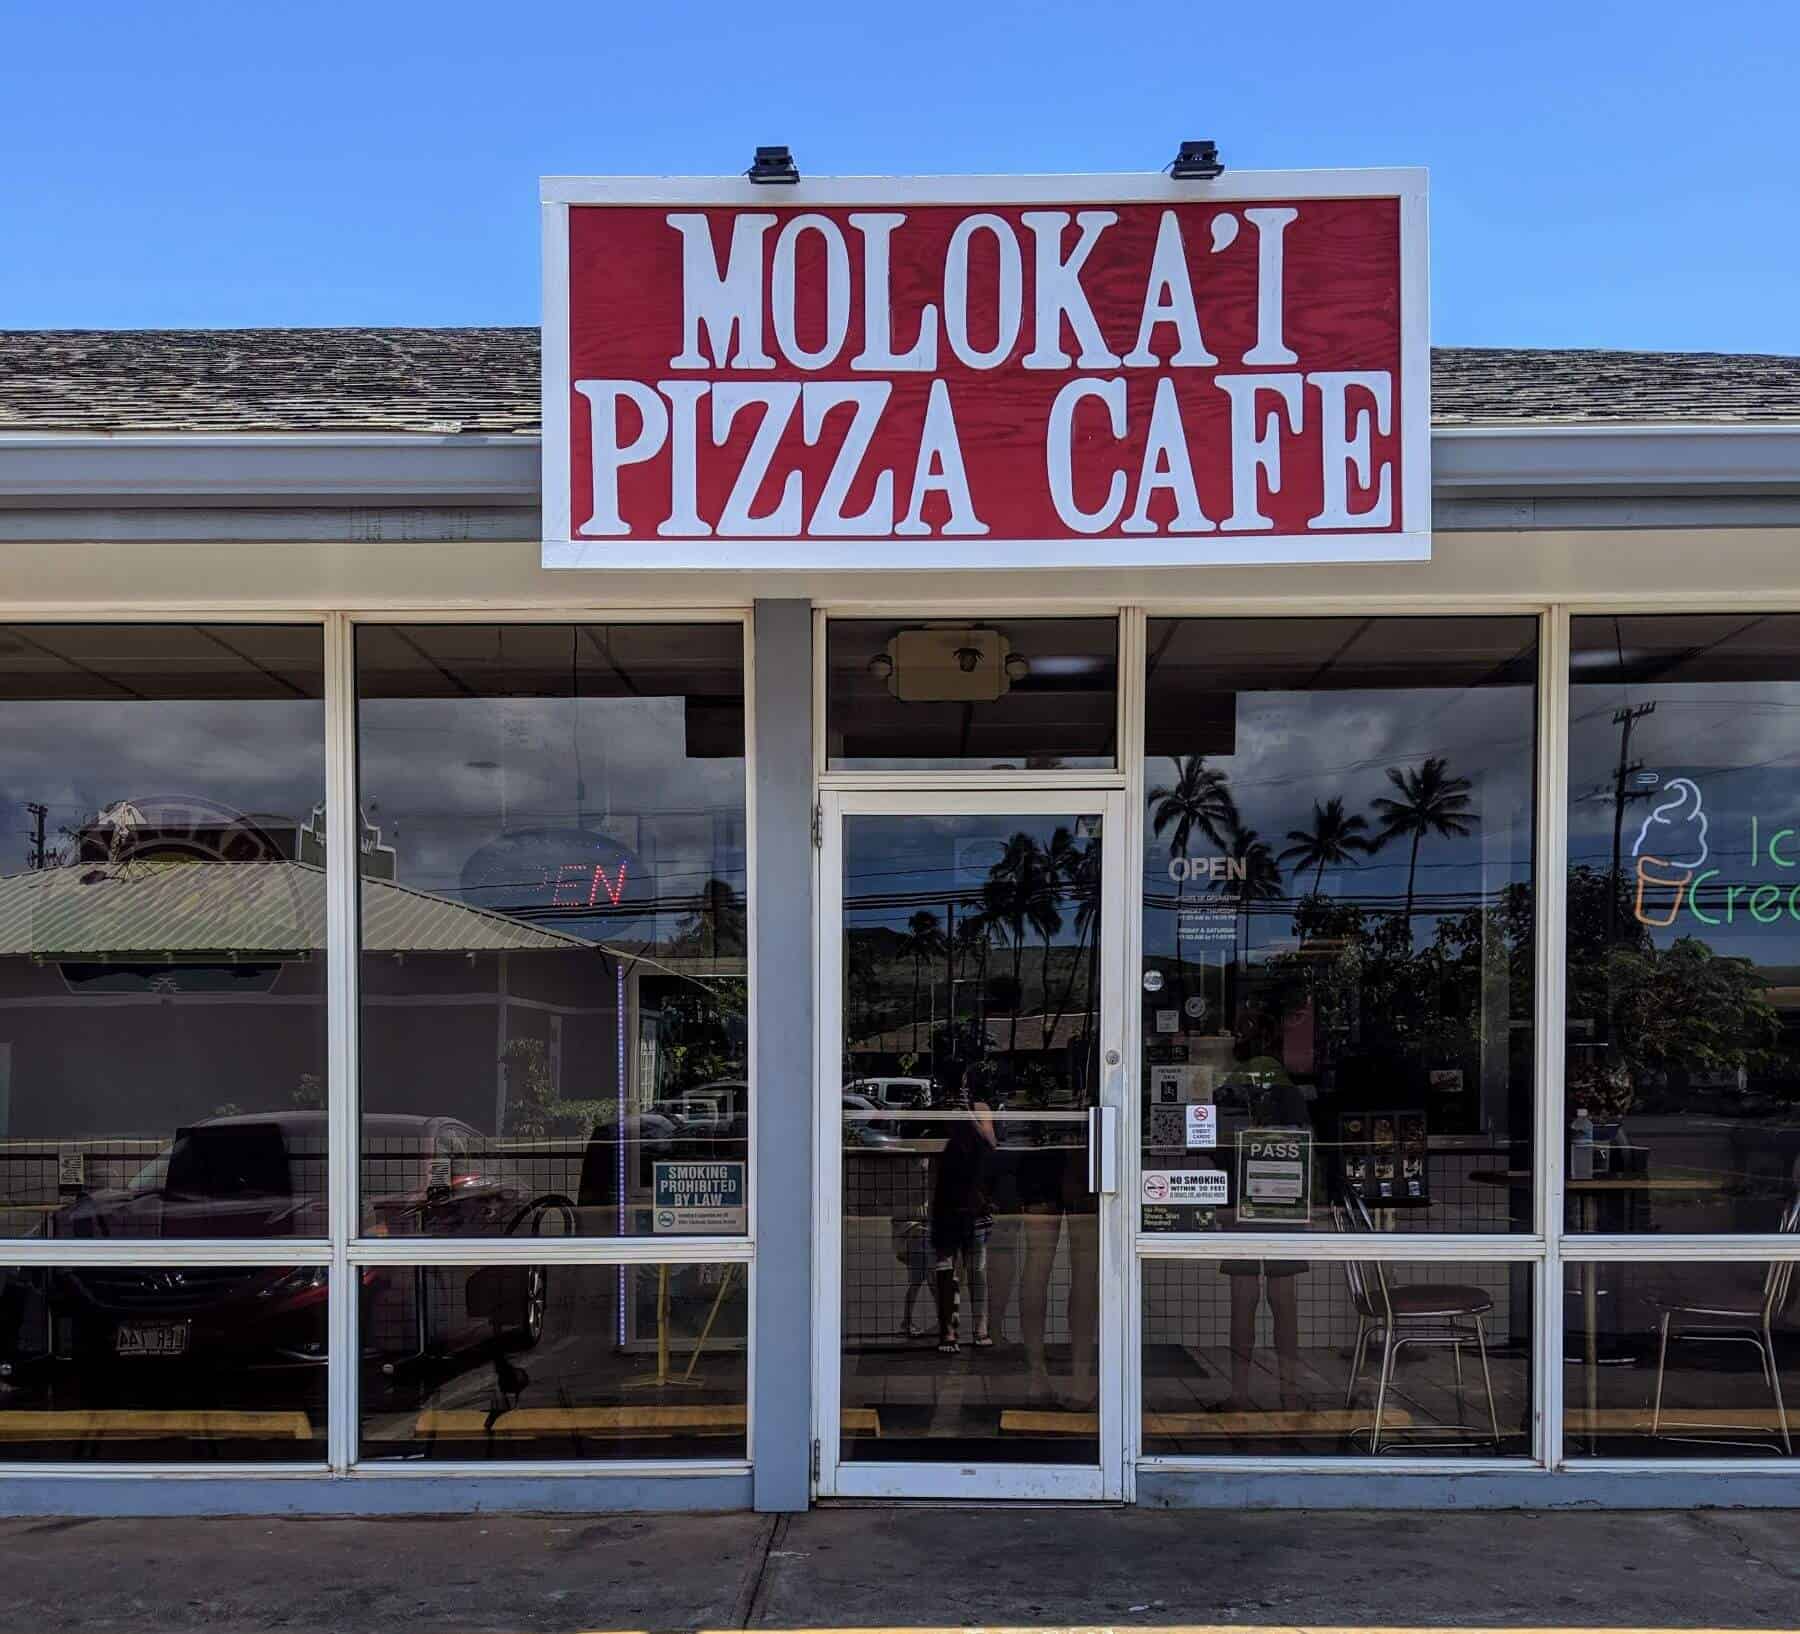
972,1080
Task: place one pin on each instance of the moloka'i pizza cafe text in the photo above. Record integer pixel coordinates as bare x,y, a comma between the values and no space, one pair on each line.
1006,371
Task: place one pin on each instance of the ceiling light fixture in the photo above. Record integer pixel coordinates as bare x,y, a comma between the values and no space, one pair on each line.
949,663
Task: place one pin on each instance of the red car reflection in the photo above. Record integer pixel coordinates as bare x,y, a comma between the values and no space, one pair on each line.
261,1176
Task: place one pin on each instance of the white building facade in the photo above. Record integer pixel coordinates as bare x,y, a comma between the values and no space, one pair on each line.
1291,1033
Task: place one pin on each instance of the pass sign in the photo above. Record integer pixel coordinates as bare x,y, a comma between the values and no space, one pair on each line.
1275,1176
986,371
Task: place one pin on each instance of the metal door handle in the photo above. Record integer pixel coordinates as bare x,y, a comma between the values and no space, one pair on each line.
1103,1150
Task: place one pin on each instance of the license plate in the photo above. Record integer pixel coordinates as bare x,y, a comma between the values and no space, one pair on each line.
158,1339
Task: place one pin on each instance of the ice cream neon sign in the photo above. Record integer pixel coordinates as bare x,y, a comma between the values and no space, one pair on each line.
1671,853
1670,846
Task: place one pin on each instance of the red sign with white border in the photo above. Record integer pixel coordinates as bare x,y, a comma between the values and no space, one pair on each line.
974,372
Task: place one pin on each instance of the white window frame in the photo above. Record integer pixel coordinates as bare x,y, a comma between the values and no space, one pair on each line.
1534,1248
1115,776
344,1251
1548,1248
1570,1248
1519,1248
836,792
1105,1479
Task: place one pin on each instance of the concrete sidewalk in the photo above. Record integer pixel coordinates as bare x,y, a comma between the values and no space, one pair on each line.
909,1568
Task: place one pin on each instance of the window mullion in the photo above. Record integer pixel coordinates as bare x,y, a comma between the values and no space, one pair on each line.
341,965
1552,873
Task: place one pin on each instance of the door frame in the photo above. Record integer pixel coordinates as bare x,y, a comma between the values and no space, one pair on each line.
1104,1480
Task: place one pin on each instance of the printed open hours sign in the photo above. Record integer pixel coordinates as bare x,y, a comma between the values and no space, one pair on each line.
982,371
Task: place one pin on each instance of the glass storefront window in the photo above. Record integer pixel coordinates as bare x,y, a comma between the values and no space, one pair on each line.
1338,973
162,931
554,961
1249,1358
1683,1043
162,1364
1694,1359
559,1361
1012,694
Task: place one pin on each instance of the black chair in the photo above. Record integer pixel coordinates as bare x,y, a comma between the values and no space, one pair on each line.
1409,1314
1741,1319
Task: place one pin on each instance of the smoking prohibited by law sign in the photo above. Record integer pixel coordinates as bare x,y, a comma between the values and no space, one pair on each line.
699,1199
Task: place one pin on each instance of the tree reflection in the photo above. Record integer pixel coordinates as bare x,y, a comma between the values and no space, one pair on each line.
1336,839
1658,1016
1430,801
1198,802
1041,888
1021,897
923,940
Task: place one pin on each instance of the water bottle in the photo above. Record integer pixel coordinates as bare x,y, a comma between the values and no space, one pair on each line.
1581,1148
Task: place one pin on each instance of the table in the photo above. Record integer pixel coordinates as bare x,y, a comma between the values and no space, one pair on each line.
1586,1191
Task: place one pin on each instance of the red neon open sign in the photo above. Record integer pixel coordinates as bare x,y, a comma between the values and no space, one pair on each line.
576,876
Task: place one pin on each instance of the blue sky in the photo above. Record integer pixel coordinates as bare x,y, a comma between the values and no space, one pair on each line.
1602,174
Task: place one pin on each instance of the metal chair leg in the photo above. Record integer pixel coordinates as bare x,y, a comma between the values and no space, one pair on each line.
1462,1409
1662,1364
1358,1358
1487,1380
1381,1390
1787,1441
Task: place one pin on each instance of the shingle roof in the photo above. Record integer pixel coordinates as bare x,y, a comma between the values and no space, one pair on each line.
231,380
192,908
1490,385
486,380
